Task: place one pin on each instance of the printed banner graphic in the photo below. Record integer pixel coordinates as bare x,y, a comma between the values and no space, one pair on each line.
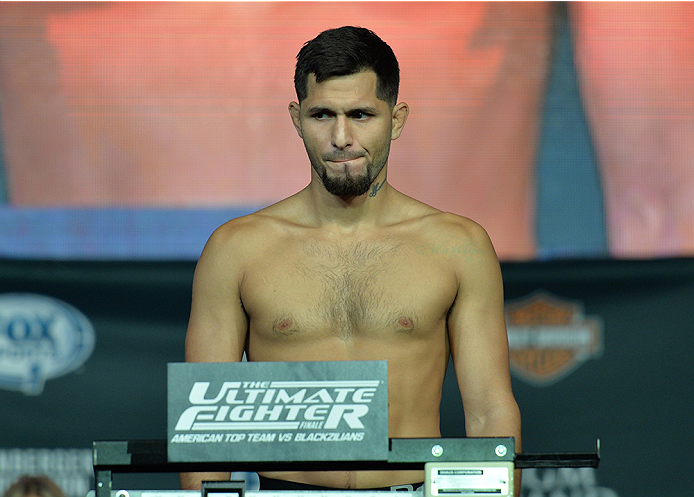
40,338
278,411
71,468
550,337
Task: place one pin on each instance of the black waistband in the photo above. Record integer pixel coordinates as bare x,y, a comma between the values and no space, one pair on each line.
273,484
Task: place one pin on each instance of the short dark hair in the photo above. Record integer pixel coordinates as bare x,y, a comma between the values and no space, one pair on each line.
28,485
345,51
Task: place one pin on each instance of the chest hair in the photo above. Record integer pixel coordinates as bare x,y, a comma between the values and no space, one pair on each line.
352,282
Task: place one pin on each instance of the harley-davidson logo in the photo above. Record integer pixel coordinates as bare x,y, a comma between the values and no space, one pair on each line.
550,337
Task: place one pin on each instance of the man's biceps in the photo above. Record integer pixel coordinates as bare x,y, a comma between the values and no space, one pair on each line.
481,350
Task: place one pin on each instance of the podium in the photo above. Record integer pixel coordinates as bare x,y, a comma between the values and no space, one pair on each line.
308,416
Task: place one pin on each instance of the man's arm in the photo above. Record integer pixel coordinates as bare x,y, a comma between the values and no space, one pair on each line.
479,346
218,325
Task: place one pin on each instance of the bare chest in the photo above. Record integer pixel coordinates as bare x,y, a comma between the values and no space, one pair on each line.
355,289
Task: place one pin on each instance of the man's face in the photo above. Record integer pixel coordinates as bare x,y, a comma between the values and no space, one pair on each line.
347,131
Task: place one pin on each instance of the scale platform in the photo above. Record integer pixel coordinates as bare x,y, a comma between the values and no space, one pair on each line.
454,467
261,493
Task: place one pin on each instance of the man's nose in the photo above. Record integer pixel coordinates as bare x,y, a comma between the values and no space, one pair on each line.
341,135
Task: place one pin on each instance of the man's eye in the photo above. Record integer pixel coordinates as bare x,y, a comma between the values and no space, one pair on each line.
360,116
320,116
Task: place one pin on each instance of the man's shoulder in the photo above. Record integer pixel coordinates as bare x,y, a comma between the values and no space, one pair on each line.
459,239
254,227
438,223
414,210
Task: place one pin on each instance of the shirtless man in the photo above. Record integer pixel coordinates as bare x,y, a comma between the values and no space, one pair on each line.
351,269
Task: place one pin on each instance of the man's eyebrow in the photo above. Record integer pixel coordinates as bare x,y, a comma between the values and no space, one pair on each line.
364,110
320,110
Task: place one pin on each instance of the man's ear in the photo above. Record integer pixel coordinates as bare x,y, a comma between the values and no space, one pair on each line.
295,113
399,117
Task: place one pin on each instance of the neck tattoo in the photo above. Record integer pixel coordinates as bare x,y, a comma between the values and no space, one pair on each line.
376,187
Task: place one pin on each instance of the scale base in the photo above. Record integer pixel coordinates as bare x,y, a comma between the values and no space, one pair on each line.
463,479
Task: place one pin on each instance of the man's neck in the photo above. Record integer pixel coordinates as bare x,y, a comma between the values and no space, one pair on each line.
349,213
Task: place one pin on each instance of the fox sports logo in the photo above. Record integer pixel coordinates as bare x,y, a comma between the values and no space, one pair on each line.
40,338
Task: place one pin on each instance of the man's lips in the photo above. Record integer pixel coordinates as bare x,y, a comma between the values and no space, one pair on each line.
339,160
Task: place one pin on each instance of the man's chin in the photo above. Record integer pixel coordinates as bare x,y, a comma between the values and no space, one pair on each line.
341,183
346,189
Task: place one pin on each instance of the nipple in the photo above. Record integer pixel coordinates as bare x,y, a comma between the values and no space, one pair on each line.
283,324
405,322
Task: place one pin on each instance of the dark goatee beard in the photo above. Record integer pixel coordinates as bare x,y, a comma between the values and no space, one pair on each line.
348,185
